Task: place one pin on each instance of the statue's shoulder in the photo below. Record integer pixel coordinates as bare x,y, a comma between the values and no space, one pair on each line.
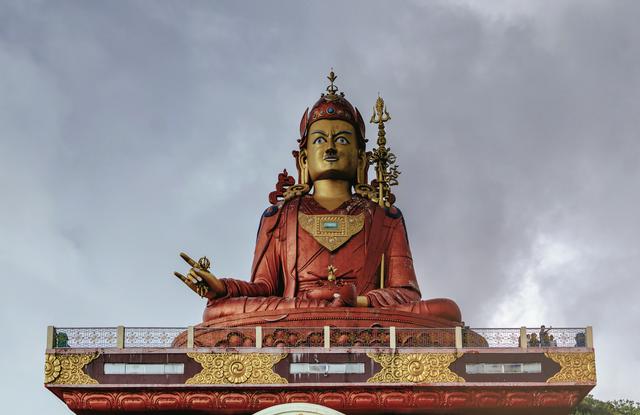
270,218
272,210
392,212
275,209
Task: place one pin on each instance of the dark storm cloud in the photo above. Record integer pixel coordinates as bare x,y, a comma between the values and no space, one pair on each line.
131,131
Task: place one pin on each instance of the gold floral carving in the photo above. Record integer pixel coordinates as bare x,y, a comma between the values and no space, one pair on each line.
67,369
574,367
235,368
414,368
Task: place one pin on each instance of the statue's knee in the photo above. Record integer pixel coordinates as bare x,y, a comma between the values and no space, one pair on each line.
443,308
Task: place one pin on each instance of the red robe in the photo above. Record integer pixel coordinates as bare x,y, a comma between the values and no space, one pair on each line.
288,261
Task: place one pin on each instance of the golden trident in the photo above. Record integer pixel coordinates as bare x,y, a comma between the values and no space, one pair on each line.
386,170
384,160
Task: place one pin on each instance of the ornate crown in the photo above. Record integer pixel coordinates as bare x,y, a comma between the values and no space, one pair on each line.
332,106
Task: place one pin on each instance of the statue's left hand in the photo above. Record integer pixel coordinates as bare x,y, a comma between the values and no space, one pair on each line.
200,280
345,296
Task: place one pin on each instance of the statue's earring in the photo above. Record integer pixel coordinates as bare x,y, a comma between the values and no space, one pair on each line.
362,187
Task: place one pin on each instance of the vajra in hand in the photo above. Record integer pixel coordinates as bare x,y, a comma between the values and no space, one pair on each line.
200,280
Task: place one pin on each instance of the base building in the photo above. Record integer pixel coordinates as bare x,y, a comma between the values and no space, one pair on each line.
319,370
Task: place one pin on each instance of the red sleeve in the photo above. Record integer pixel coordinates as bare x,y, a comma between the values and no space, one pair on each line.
266,264
401,284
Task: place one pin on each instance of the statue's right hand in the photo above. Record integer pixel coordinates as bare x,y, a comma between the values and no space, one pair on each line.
200,280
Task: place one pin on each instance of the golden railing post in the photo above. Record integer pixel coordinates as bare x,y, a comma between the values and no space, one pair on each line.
258,337
120,337
51,336
458,333
191,336
392,337
523,337
588,341
327,337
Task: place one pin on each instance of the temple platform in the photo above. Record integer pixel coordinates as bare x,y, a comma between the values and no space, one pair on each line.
358,370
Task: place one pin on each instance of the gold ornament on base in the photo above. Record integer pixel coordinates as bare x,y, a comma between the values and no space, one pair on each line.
414,368
574,367
67,369
233,368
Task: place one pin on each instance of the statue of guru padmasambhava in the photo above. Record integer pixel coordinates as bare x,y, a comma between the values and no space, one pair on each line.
332,240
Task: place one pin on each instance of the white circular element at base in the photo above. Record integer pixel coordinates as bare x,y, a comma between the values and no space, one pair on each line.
298,409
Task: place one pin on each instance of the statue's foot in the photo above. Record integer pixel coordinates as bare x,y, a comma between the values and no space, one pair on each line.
246,305
443,308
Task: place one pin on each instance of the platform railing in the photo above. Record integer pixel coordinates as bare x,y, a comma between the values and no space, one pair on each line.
534,337
323,337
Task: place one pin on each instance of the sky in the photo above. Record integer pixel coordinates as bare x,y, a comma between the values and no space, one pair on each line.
131,131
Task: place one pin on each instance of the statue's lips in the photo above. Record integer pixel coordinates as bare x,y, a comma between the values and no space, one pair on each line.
330,158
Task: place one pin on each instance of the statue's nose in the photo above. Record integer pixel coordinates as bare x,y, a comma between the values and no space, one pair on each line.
331,151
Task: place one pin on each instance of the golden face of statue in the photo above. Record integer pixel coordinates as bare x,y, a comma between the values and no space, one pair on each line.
332,151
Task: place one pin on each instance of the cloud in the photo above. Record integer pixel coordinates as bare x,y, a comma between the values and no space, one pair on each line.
130,132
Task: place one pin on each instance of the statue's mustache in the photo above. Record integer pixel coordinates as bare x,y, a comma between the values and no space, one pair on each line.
330,155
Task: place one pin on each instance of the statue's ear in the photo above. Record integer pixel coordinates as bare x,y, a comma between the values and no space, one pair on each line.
363,167
303,167
296,157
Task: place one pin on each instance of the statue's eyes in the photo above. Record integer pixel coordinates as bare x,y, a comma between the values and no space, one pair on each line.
342,140
319,140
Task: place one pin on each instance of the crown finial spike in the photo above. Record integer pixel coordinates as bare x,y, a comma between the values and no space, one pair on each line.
332,88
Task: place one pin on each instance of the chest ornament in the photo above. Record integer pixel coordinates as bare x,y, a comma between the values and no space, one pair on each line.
331,231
